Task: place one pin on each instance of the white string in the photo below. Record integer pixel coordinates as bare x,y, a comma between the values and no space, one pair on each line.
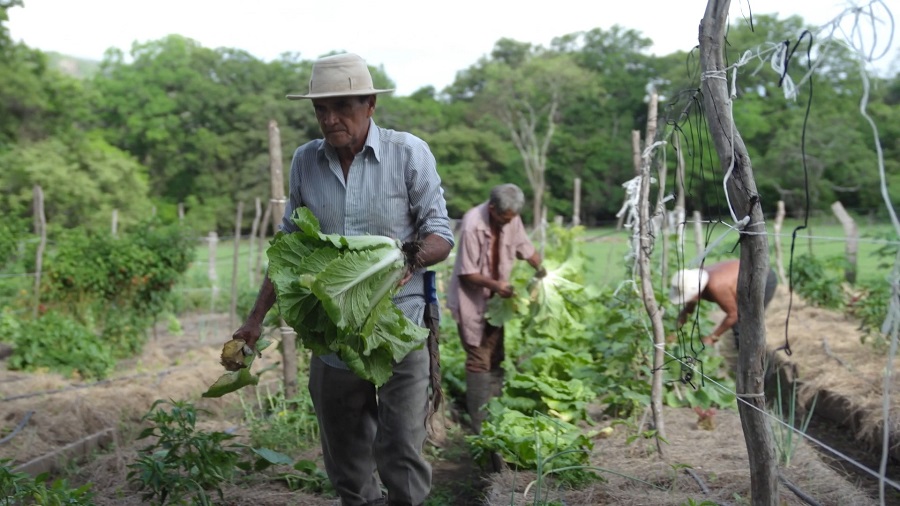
740,398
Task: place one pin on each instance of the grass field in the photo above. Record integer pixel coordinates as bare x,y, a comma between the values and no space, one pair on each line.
605,250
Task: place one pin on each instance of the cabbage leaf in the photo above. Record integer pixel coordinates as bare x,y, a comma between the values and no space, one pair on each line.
335,292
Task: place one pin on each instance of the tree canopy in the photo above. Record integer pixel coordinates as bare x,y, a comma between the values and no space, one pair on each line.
175,122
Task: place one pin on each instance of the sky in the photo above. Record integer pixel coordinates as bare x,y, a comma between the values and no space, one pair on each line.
417,42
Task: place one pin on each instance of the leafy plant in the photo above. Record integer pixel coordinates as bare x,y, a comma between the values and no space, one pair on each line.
20,489
527,442
783,433
279,423
183,462
335,291
819,281
710,385
61,344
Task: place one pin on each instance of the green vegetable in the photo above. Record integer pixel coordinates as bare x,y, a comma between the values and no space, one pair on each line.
235,380
335,291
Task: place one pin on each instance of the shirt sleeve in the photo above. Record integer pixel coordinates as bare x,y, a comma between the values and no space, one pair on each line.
468,253
426,196
524,246
293,197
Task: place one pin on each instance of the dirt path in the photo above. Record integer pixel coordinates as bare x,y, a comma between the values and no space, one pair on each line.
181,366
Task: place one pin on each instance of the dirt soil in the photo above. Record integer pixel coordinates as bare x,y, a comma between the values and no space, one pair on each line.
182,366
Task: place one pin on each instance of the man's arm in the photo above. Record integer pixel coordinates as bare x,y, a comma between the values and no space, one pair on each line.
433,249
499,287
535,261
688,309
252,326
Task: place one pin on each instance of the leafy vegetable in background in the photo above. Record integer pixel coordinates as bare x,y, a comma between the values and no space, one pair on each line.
525,440
335,291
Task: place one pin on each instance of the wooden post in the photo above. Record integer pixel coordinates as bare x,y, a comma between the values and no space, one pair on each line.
647,294
232,312
115,222
40,222
288,336
636,159
254,228
181,211
779,254
852,233
698,232
744,199
576,203
680,212
213,240
264,222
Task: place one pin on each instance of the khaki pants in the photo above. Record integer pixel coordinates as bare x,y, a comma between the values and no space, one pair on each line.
489,354
364,429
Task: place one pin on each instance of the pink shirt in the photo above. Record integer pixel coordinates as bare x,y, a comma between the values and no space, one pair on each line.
467,303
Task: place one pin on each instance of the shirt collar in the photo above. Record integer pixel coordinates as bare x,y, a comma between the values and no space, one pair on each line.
373,142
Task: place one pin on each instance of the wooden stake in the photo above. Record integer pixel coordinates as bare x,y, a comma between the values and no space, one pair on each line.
698,233
254,228
181,211
213,240
264,222
288,336
232,312
40,221
754,266
779,254
115,222
680,211
852,233
576,203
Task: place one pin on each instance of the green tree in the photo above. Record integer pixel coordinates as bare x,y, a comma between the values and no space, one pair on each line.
82,182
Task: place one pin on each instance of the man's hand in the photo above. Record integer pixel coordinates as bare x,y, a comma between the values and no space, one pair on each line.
709,340
504,290
541,272
250,333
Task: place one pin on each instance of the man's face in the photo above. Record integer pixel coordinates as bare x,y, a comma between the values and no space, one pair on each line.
344,121
499,218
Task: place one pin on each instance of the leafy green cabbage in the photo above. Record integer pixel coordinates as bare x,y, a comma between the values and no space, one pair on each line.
335,292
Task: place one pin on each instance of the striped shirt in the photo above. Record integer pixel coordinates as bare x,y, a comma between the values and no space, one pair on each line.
392,189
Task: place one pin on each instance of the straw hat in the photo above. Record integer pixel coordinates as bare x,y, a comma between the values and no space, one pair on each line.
687,285
341,75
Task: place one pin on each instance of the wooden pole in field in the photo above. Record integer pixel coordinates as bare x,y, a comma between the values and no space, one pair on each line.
115,222
636,160
213,240
852,233
264,223
779,254
680,213
254,228
181,211
647,294
744,200
576,203
40,222
288,336
232,312
698,232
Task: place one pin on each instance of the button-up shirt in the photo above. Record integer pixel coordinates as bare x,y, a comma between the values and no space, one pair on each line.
467,302
392,189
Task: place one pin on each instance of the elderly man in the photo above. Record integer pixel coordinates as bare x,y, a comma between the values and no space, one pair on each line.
491,237
363,179
715,283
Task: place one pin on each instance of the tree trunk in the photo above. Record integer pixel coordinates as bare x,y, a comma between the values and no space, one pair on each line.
288,336
754,268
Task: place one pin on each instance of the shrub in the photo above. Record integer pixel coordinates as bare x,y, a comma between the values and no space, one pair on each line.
61,344
819,281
